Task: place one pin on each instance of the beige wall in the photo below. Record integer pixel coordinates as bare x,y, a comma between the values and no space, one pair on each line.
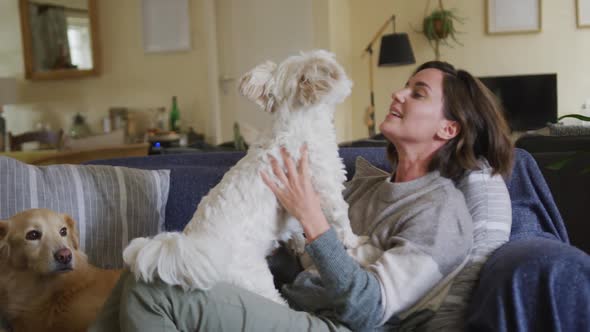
135,79
331,25
129,76
11,62
560,48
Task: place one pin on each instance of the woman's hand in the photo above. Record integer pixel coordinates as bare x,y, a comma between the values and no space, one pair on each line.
297,194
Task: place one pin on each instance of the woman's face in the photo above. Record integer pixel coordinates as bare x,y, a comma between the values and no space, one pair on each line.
416,112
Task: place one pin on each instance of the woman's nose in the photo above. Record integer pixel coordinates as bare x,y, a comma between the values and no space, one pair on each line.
399,95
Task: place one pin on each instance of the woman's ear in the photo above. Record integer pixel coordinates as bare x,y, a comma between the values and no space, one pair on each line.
448,130
73,233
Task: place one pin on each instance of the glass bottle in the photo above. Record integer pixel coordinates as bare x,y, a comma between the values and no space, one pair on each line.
174,116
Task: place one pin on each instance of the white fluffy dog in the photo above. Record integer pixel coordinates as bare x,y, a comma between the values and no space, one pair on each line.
240,221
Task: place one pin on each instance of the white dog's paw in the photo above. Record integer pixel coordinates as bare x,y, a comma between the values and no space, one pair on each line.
362,239
365,254
351,240
297,244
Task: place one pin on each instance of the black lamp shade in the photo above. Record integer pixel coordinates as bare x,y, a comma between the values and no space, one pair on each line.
396,50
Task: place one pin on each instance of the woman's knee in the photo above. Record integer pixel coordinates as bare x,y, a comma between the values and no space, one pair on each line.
155,292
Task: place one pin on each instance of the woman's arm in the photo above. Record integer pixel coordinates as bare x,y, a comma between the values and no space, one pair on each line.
423,256
352,291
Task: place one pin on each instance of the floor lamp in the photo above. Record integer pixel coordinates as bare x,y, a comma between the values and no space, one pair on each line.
395,50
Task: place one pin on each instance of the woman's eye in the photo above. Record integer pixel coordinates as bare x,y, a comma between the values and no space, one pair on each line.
33,235
417,95
63,231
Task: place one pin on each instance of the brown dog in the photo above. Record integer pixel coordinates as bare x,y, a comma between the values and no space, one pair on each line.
46,283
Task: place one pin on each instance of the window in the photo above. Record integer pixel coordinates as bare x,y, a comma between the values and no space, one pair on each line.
79,40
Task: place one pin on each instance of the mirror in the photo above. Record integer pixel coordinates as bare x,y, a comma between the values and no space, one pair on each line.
60,38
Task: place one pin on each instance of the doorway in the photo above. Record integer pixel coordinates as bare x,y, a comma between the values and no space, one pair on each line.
250,32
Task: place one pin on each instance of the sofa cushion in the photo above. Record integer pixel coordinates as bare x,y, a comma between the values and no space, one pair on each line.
111,205
192,175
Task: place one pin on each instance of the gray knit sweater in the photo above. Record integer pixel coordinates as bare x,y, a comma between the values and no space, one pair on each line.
422,233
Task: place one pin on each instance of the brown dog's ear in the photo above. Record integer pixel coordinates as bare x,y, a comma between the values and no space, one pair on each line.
4,248
3,229
73,233
316,81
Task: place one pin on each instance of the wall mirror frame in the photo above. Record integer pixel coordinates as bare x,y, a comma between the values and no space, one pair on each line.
61,71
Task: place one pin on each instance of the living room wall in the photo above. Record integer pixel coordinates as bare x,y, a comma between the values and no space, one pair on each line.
133,78
560,48
129,77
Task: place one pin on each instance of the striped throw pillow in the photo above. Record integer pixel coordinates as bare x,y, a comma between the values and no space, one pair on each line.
111,205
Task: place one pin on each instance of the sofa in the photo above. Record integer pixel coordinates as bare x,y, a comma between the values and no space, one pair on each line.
535,282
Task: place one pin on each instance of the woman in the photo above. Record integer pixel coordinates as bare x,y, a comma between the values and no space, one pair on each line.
438,126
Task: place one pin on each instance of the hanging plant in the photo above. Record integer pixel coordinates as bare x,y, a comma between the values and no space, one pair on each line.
439,27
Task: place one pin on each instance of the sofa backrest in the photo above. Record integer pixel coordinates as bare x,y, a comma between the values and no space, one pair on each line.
193,175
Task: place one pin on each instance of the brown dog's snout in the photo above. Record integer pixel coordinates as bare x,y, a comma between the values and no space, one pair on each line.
63,256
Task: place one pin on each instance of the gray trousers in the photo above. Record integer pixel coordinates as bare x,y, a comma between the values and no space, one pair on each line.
137,306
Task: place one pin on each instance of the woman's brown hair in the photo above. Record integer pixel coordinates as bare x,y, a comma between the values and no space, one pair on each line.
484,130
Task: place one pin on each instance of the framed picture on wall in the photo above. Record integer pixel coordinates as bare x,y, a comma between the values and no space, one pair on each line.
513,16
166,25
583,13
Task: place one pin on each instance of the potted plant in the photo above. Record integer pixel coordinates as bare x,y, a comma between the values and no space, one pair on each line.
439,27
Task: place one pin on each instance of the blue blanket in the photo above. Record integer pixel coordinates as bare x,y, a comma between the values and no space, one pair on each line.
537,281
534,212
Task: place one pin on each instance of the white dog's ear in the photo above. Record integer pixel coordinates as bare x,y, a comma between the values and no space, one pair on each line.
255,85
316,80
73,233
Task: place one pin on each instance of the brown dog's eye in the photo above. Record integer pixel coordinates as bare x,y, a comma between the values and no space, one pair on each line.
33,235
63,231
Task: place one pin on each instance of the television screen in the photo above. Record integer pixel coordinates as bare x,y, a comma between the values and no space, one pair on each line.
530,101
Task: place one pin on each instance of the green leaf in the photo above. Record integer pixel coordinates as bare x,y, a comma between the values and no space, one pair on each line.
575,116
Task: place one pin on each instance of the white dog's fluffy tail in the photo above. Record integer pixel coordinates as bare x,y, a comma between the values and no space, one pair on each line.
176,259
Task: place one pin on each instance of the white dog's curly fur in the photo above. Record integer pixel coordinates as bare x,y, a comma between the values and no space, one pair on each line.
240,221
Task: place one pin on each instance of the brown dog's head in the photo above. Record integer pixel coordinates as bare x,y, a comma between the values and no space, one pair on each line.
38,240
